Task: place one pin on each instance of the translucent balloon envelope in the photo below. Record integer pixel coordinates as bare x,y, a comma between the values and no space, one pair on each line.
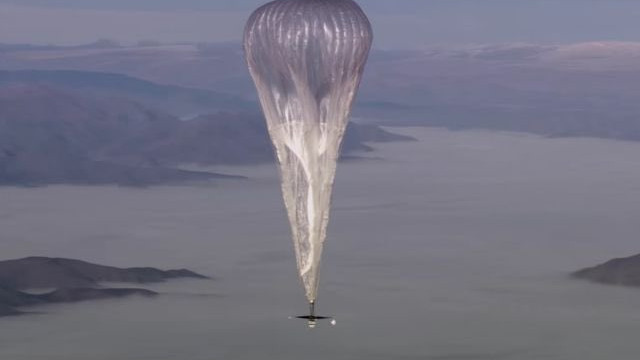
306,58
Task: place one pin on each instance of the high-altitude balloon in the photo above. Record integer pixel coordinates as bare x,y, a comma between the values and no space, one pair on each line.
306,58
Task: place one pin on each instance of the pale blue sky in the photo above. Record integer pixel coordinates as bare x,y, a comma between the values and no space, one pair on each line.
398,23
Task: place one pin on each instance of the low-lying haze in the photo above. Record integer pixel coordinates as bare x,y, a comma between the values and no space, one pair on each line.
462,252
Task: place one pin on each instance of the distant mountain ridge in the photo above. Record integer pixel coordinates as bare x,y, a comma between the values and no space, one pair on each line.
172,99
74,281
559,90
51,136
48,136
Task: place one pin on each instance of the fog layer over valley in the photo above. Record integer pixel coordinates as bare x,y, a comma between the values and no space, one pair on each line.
459,246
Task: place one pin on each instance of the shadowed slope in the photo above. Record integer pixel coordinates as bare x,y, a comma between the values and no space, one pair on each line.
621,271
43,272
74,281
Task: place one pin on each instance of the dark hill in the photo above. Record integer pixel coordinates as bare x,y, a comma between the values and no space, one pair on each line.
621,271
10,299
43,272
50,136
7,311
14,298
74,281
88,294
176,100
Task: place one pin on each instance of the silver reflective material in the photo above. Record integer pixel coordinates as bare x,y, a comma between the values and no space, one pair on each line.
306,58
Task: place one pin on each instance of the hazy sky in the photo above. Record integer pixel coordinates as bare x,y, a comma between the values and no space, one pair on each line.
398,23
